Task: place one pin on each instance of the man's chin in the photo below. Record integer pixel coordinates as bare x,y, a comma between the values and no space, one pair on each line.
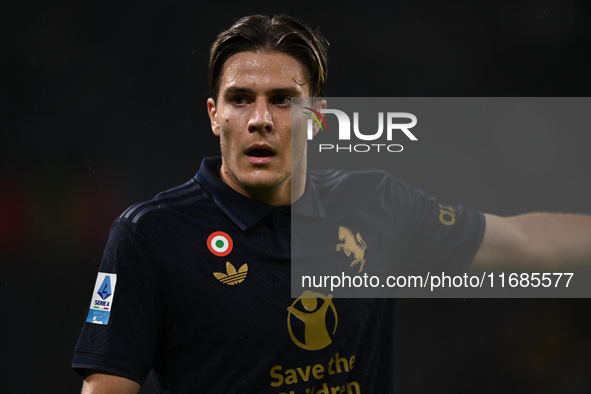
254,181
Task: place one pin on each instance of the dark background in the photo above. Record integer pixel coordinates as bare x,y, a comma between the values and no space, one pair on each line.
102,104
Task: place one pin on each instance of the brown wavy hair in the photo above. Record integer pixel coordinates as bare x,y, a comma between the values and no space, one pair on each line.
281,33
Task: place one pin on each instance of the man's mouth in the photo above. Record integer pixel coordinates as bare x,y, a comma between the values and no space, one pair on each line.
260,153
259,156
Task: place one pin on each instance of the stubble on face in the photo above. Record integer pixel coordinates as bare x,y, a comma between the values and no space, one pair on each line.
252,117
249,181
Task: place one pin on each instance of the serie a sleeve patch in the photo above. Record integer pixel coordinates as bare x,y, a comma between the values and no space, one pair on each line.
102,298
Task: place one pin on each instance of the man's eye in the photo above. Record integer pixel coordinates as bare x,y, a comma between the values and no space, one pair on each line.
239,100
283,100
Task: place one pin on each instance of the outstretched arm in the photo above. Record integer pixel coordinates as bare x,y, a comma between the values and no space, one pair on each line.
535,241
97,382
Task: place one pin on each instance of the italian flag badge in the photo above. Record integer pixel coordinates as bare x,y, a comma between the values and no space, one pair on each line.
220,243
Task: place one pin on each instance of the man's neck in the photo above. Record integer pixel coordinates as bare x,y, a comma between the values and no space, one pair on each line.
280,195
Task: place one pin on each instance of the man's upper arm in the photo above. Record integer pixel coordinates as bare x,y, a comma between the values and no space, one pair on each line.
97,382
502,243
127,341
535,241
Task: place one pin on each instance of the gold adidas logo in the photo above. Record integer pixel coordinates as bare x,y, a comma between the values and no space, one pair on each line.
232,277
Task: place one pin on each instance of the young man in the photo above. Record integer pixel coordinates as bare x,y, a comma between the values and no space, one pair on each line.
195,283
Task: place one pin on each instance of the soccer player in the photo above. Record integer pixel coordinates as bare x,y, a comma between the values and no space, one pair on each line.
195,283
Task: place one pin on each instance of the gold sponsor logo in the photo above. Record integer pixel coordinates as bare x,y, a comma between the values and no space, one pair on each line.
284,376
352,245
446,215
232,277
316,334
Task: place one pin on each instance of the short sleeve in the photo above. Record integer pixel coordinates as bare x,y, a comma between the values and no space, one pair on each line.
127,343
434,237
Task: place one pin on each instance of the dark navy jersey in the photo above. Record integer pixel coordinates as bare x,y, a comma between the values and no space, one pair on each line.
195,285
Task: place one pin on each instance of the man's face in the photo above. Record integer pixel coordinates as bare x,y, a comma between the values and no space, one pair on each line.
252,117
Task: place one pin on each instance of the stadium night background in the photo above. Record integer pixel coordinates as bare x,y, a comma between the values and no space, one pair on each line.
104,105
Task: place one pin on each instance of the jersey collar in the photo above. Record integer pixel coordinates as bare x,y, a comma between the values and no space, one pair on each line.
243,211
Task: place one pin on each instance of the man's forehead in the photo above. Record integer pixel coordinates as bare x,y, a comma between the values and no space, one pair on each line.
275,70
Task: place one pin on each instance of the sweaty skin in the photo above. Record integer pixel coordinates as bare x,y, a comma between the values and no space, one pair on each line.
252,117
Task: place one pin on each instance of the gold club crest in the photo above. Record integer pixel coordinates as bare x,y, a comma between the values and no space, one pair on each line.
352,245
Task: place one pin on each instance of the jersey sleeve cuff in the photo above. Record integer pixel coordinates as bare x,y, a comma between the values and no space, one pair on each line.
478,237
84,361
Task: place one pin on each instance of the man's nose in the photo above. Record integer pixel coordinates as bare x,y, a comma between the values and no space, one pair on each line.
261,119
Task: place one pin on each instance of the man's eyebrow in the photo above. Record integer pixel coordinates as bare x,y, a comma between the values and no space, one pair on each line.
287,91
235,89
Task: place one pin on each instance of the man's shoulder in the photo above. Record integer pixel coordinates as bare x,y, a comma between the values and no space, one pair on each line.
375,188
360,178
178,198
333,176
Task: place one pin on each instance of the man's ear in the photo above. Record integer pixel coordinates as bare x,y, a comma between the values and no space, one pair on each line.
211,110
320,104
